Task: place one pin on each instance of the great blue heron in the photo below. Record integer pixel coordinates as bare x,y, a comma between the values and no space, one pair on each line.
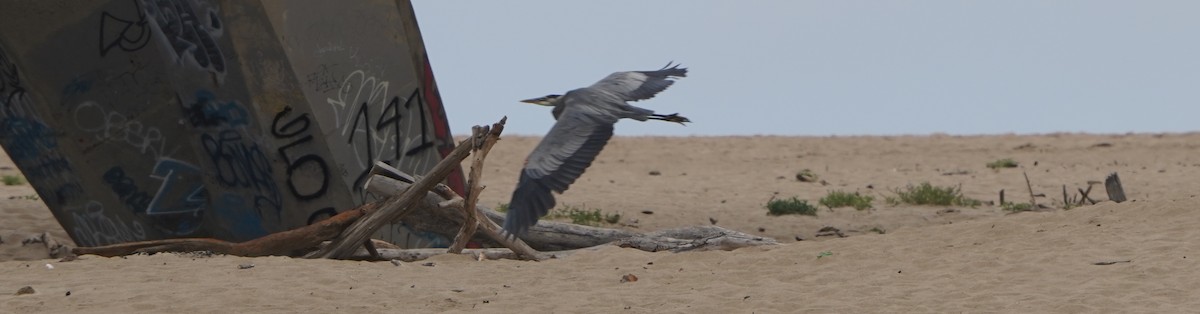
585,123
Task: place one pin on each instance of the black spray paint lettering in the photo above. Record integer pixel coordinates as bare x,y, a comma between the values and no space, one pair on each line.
390,120
126,190
207,111
188,31
242,165
323,80
127,34
317,169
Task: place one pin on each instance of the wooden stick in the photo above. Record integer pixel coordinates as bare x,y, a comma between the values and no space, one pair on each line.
483,144
383,185
1066,198
1032,199
395,206
1112,184
280,243
1085,196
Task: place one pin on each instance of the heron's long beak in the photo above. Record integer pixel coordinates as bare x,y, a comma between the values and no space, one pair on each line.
537,101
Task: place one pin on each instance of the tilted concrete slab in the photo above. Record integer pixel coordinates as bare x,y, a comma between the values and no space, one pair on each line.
151,119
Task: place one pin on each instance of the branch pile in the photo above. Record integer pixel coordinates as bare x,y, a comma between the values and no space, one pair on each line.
426,205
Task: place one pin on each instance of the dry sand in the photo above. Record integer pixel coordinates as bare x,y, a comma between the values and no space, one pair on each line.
929,260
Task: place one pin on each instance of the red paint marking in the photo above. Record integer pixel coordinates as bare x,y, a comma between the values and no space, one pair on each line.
441,127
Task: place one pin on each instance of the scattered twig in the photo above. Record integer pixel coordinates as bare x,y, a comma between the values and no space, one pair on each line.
1032,198
1084,195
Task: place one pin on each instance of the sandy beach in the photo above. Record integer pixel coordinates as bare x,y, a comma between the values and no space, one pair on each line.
1134,256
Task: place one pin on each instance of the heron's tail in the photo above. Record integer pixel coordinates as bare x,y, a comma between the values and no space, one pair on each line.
672,69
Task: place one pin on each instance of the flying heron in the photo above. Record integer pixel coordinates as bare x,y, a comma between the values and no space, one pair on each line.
585,119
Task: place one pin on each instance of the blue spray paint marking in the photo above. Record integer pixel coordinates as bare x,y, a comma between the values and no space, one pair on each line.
206,111
177,194
238,217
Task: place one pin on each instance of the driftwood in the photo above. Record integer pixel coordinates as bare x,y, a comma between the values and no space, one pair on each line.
557,236
1032,198
427,206
471,216
1113,185
395,206
281,243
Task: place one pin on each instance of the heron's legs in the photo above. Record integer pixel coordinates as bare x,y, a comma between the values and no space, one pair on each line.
674,117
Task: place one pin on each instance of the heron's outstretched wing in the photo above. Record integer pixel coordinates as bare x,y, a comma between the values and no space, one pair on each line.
639,85
562,156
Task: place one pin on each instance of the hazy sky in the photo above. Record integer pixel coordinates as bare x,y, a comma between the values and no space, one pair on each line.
831,67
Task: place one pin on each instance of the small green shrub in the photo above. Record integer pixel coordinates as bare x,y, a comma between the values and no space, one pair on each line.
583,216
878,230
790,206
502,207
1002,163
13,180
927,194
1016,207
837,199
32,197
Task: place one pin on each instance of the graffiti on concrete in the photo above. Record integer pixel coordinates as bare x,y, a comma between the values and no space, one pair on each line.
128,33
189,29
92,227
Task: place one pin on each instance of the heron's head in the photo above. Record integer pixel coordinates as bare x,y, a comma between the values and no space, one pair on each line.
547,100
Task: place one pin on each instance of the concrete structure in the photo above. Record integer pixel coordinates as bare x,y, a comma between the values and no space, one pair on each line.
150,119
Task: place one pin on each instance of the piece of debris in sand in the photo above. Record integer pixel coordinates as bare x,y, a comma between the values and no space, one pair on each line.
26,290
246,266
53,247
33,239
1103,263
956,173
829,231
806,176
712,220
648,212
628,278
947,211
655,172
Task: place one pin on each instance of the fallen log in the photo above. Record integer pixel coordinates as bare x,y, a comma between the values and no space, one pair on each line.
286,243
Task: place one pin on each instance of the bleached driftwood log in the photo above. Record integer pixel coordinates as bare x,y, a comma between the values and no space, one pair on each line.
443,217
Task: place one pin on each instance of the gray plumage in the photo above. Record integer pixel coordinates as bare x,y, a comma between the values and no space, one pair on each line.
585,124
